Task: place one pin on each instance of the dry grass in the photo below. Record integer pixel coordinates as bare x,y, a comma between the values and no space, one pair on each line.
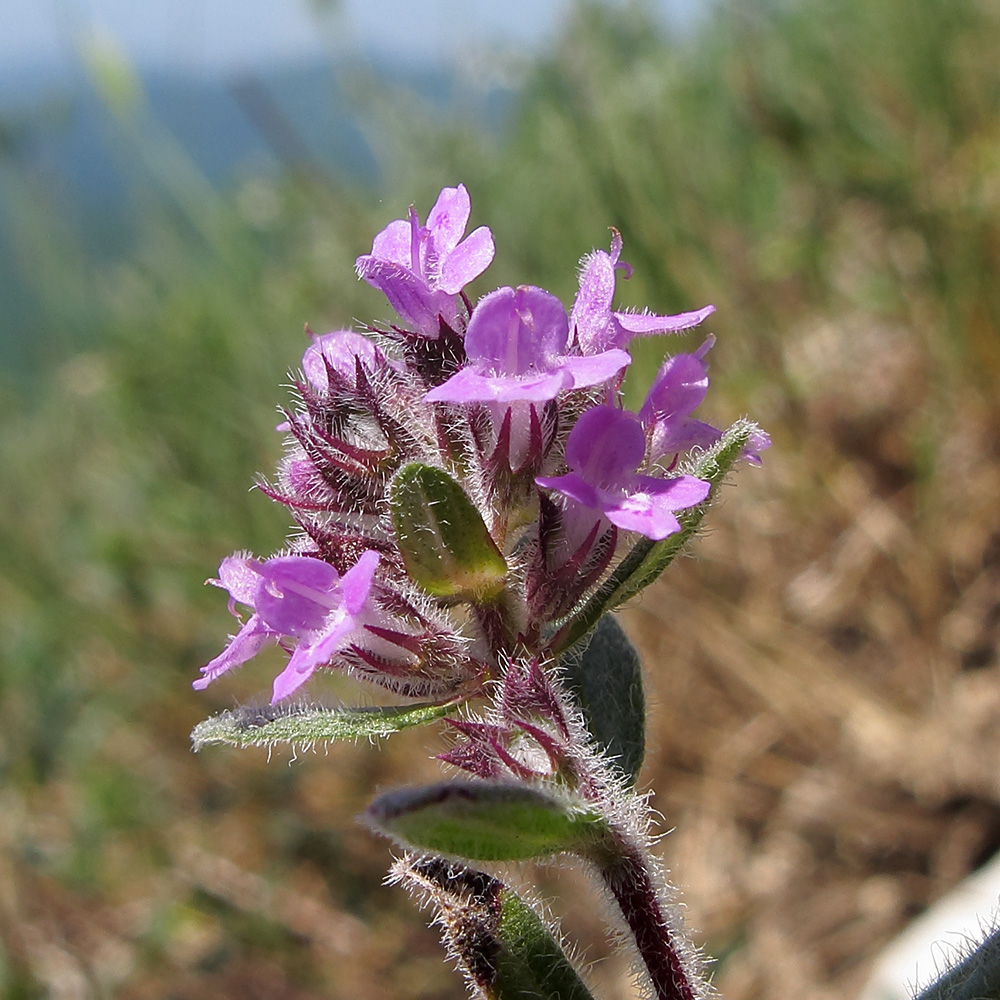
825,685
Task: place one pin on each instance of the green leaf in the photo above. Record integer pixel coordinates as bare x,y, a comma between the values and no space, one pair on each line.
606,680
500,942
648,559
486,821
531,963
446,546
308,724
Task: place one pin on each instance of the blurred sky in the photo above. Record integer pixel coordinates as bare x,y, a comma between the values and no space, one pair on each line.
226,35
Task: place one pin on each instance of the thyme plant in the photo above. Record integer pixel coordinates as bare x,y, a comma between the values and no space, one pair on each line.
472,503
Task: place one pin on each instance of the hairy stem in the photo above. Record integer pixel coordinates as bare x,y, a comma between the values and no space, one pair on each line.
496,620
626,872
619,844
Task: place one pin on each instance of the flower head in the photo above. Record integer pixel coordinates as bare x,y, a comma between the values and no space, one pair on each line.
485,519
421,268
598,327
294,597
604,450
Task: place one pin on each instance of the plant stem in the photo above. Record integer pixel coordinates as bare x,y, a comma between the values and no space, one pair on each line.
626,872
620,854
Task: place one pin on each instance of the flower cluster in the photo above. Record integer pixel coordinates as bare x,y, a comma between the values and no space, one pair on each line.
463,477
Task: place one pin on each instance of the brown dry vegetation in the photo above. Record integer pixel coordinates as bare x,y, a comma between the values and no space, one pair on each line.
824,729
836,639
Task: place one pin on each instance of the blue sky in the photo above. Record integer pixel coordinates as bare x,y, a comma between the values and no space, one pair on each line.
225,35
213,35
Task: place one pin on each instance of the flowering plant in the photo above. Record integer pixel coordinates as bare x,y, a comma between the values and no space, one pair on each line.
472,501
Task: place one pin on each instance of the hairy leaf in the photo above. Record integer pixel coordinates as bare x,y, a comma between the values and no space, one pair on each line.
486,821
606,679
446,546
307,724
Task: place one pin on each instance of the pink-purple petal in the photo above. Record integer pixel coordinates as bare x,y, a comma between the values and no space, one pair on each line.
236,576
531,389
467,261
596,368
465,386
679,387
514,331
606,445
449,217
680,492
676,436
643,515
394,244
647,323
311,653
575,488
412,298
649,508
470,386
591,309
759,441
326,645
245,645
289,681
296,593
356,583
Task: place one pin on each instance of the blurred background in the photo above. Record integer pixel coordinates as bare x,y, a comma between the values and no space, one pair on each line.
183,186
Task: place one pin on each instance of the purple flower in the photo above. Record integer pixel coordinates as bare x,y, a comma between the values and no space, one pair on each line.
295,597
516,345
678,389
603,452
597,326
421,269
340,351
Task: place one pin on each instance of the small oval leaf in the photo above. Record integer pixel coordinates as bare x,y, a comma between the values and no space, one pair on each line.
486,821
446,546
606,680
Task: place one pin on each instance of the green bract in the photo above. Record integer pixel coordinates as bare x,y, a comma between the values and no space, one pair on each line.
446,546
486,821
